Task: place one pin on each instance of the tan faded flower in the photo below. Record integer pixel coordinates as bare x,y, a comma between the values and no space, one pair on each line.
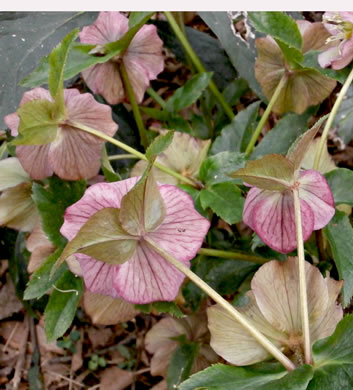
184,155
273,307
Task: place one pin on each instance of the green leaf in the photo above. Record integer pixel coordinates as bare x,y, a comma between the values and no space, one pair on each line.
41,281
281,27
110,175
283,134
142,208
25,38
241,54
155,113
159,144
180,364
52,202
102,238
61,308
57,62
215,169
225,199
333,359
234,136
339,233
340,181
188,94
344,118
135,18
272,172
260,377
162,307
37,126
195,194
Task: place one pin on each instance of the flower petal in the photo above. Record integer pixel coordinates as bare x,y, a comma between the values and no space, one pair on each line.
12,173
234,343
346,55
138,76
315,191
34,160
276,289
326,58
109,27
271,215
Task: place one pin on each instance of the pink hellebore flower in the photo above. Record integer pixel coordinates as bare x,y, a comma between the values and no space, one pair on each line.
340,26
271,213
74,154
146,276
142,59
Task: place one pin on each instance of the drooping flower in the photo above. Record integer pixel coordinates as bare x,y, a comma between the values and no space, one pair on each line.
184,155
308,83
73,154
142,59
273,307
339,52
145,276
160,341
17,209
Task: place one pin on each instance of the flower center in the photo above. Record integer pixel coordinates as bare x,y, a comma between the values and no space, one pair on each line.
343,28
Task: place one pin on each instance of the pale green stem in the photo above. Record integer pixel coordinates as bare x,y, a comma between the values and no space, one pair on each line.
197,63
131,150
121,157
154,95
231,255
331,118
134,105
265,115
302,280
259,337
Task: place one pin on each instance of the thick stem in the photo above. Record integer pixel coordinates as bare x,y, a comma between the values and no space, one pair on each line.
231,255
260,338
154,95
302,280
131,150
134,105
331,118
197,63
265,115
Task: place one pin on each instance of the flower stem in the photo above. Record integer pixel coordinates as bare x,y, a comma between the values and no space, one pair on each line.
331,118
197,63
154,95
134,105
131,150
231,255
265,115
121,157
302,280
260,338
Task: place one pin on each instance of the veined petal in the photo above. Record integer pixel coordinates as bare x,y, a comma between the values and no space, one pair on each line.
109,27
326,58
271,215
105,80
183,228
346,55
34,159
276,289
148,277
315,191
234,343
12,173
138,76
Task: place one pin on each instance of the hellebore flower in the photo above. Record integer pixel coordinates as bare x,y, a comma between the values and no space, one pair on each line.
17,209
309,84
273,307
340,44
161,342
72,154
184,155
269,205
143,59
109,228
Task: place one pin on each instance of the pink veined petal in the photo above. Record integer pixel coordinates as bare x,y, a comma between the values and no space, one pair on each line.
273,219
105,80
109,27
98,276
303,25
34,159
148,277
95,198
12,122
138,76
315,191
182,232
86,110
346,55
146,47
326,58
254,196
347,16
